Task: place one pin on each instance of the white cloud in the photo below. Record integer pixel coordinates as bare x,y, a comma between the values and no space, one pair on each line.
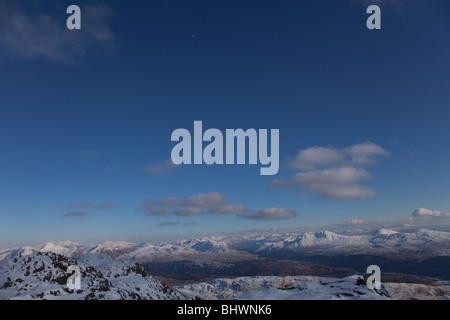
334,173
363,154
338,183
156,211
184,206
325,157
168,224
89,205
205,200
315,157
227,209
423,212
75,214
270,214
212,204
188,211
355,222
198,200
41,36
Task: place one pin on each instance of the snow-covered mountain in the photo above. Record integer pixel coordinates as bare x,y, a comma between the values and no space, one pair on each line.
209,249
309,288
24,251
390,238
425,242
66,248
113,248
309,240
43,275
212,248
422,243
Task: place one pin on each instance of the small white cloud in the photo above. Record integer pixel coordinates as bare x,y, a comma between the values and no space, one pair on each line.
336,183
205,200
423,212
184,206
75,214
270,214
188,211
89,205
156,211
315,157
355,222
198,200
326,157
227,209
364,154
334,173
213,203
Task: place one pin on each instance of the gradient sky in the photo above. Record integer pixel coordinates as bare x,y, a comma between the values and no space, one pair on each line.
86,116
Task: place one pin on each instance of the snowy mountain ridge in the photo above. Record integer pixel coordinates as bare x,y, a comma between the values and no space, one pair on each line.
43,275
428,242
203,249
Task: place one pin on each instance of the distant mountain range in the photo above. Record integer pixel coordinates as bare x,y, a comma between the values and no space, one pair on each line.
196,249
420,244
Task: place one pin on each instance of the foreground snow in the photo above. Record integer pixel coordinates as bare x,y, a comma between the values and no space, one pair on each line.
44,276
309,288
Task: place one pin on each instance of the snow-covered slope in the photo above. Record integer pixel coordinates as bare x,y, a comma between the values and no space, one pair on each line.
285,288
415,291
312,239
429,242
24,251
66,248
386,238
212,248
309,288
113,248
44,276
196,249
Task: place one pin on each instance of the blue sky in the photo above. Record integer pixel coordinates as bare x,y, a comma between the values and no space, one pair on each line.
86,116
